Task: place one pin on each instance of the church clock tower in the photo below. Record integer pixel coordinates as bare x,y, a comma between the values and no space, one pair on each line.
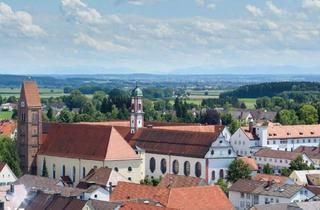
136,119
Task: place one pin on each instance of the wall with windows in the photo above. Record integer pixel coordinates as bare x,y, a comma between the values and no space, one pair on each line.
241,143
291,144
157,165
7,176
59,166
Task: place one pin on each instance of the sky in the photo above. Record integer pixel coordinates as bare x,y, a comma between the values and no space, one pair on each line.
156,36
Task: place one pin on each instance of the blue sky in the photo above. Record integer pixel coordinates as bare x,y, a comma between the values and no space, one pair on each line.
76,36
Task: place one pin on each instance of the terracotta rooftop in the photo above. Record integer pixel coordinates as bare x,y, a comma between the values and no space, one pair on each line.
86,141
7,128
31,93
130,191
174,181
269,177
141,206
314,189
173,142
194,128
313,179
285,132
97,176
200,198
103,205
269,153
251,162
183,198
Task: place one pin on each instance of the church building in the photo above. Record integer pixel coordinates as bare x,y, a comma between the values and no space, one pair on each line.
128,147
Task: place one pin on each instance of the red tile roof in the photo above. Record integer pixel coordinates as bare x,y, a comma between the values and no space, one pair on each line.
97,176
130,191
269,177
251,162
269,153
141,206
200,198
174,181
7,128
93,142
31,92
194,128
184,198
173,142
311,152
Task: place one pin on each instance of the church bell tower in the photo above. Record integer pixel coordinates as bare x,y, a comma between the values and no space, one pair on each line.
137,114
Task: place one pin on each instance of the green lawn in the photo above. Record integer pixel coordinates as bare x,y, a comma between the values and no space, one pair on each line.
5,115
250,102
44,92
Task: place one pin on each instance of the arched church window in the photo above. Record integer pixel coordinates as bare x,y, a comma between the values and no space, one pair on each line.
186,168
152,164
175,167
63,170
54,171
83,172
221,174
213,175
229,151
198,169
163,166
74,174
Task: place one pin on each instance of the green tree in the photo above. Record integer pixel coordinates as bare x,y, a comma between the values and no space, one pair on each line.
223,185
234,126
44,169
308,114
50,113
285,172
287,117
88,108
9,155
267,169
299,164
98,98
238,169
66,116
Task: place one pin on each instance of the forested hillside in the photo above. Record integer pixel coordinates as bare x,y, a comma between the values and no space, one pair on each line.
271,89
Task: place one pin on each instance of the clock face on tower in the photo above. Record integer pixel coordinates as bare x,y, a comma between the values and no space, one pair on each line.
22,104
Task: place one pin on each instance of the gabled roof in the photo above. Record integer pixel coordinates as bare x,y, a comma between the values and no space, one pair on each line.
31,92
142,206
312,151
265,188
194,128
251,162
302,175
43,201
174,181
292,131
200,198
173,142
271,178
269,153
86,141
313,179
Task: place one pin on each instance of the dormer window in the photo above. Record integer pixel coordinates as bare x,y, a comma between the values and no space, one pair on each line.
301,133
288,134
312,132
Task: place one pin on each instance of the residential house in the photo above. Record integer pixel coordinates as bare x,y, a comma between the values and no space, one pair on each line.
8,128
8,107
245,193
311,205
300,177
248,140
183,198
7,177
272,178
313,152
278,159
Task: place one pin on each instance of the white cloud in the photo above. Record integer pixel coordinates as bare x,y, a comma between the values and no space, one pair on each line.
200,2
97,45
80,12
211,6
18,23
254,10
274,8
312,4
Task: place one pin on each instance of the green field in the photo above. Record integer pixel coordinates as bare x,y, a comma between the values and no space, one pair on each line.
250,102
44,92
5,115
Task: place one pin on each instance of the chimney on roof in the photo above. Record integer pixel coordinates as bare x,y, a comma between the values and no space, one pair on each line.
251,125
110,188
